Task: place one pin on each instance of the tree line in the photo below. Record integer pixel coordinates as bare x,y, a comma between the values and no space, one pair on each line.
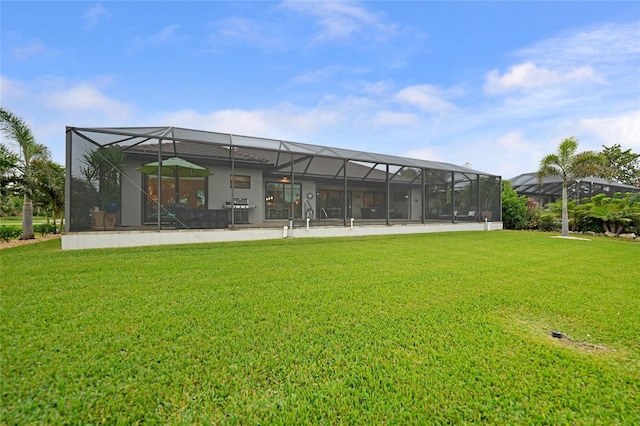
599,214
27,172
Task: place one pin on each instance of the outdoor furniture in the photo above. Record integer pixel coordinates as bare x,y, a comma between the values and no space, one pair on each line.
201,219
469,216
448,215
373,213
393,214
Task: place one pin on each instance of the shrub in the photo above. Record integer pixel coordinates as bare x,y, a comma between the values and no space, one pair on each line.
634,227
533,214
43,229
514,208
618,214
548,223
587,223
10,232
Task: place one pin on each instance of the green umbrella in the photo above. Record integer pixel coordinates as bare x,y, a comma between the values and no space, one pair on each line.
176,167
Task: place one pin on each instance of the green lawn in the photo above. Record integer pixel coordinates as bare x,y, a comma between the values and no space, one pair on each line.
413,329
17,220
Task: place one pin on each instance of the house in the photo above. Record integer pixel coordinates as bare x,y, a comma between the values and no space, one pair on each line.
121,179
549,189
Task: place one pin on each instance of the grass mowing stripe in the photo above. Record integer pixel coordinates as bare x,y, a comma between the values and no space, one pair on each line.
403,329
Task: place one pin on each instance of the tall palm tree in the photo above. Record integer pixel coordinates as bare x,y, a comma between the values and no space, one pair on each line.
16,129
570,166
48,180
8,179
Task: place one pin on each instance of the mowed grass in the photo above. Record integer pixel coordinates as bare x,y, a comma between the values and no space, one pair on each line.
414,329
17,220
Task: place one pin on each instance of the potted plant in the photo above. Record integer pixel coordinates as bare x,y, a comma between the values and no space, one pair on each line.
103,169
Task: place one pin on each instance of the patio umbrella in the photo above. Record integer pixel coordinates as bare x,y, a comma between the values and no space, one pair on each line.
176,167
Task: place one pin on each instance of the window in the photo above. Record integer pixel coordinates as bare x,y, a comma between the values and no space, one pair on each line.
177,193
240,181
374,200
374,205
330,204
282,200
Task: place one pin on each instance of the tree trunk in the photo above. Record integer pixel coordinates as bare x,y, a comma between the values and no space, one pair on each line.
54,214
27,219
565,214
619,228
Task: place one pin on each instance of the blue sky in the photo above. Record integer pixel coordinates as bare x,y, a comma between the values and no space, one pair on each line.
496,85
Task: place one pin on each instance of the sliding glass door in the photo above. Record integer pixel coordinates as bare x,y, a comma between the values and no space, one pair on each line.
180,193
283,201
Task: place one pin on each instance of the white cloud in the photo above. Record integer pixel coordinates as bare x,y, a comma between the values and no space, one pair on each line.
513,143
94,15
50,104
313,76
622,129
378,88
507,153
424,154
597,45
30,49
86,98
281,121
428,98
392,118
343,20
519,154
231,121
167,35
528,77
506,136
234,30
239,28
12,90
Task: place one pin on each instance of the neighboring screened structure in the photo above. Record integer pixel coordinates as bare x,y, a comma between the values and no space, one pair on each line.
123,179
550,190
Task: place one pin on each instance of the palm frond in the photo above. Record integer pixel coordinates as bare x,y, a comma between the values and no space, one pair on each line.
587,163
550,165
16,129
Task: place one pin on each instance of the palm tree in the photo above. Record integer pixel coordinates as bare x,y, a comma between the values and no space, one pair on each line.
16,129
48,180
9,180
569,166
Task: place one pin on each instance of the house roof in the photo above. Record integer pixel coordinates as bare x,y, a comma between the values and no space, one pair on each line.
527,183
212,144
276,163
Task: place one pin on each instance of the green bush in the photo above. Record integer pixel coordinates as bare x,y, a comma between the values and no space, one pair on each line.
618,214
634,227
10,232
548,223
589,224
43,229
514,208
533,214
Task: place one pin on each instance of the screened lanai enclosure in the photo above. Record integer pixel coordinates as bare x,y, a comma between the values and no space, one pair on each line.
175,178
581,190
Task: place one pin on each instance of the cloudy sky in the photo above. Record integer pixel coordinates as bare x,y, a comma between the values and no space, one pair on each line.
493,84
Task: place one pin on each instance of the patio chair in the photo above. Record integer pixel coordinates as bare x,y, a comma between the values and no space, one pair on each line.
469,216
